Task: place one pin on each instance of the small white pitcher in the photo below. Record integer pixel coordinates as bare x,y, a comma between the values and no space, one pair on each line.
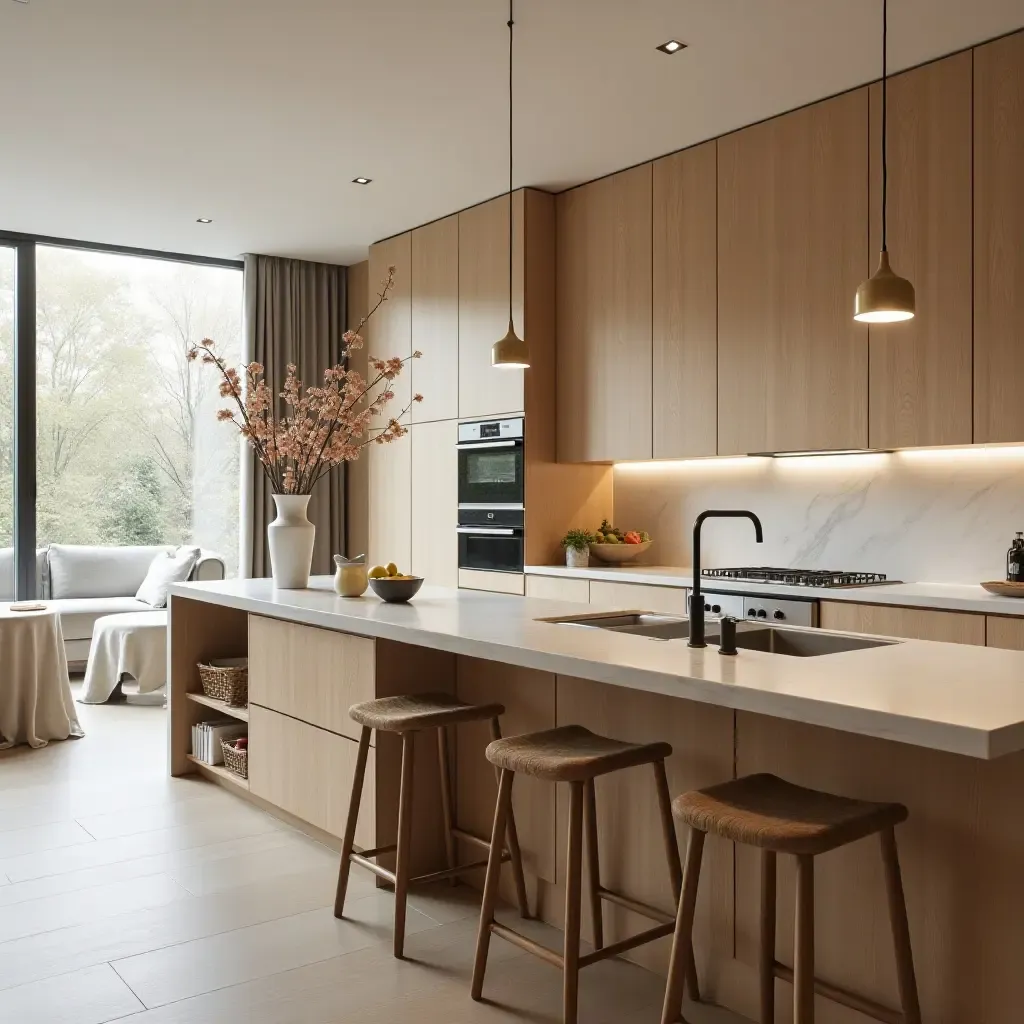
350,580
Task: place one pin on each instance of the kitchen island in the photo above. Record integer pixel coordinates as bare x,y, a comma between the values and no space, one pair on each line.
937,726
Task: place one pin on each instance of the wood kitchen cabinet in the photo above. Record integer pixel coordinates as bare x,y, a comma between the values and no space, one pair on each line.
1003,631
685,304
435,319
920,389
640,597
604,319
998,231
389,481
435,498
558,588
792,248
909,623
483,306
389,331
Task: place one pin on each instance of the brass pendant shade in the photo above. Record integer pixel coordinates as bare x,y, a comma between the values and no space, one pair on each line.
885,297
511,352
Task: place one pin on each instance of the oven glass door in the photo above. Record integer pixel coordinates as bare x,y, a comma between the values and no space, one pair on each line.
498,550
491,473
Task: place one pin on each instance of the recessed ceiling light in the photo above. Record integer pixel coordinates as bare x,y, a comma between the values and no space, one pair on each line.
204,220
672,46
361,181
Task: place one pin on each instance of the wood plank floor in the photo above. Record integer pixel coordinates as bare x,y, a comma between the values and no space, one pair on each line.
128,895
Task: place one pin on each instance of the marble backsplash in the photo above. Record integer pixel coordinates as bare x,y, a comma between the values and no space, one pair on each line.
923,515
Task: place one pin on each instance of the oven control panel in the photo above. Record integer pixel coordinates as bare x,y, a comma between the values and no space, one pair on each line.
491,430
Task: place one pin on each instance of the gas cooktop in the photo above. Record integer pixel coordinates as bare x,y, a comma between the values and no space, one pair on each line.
798,577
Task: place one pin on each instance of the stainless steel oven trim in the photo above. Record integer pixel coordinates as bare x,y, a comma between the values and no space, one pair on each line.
493,506
477,445
502,531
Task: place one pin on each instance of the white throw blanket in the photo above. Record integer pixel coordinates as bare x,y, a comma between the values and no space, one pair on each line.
133,644
35,693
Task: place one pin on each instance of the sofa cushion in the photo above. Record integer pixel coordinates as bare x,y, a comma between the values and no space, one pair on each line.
164,570
79,615
77,570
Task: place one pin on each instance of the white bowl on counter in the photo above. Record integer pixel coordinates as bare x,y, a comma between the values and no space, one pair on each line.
616,554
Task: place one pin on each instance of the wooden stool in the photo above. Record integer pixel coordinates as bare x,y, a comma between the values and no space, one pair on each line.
575,755
407,716
779,817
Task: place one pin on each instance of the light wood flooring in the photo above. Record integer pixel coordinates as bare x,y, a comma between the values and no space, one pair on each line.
125,894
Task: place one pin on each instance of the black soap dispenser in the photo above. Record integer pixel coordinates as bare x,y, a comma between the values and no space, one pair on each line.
1015,560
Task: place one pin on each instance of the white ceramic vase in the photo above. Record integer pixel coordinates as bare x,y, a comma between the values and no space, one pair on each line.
576,559
290,538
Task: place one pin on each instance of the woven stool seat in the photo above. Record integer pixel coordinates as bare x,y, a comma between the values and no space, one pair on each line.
766,811
571,754
420,711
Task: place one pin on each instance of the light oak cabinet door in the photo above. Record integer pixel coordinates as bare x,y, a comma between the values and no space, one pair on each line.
389,331
1003,631
685,297
389,473
558,588
792,248
435,320
921,370
493,582
358,510
908,623
604,319
483,306
639,596
435,498
998,231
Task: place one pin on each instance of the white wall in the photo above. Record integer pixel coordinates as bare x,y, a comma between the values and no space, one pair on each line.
927,515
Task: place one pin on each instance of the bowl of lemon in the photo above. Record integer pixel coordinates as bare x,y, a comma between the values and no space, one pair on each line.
392,586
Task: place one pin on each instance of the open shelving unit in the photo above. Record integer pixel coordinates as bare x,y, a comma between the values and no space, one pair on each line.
218,705
218,771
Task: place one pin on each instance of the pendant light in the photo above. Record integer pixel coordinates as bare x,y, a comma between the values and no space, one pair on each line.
885,297
511,353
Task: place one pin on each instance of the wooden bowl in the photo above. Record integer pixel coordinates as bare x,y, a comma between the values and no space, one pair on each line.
1004,588
396,591
616,554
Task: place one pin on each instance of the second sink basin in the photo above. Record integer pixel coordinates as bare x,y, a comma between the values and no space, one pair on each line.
802,643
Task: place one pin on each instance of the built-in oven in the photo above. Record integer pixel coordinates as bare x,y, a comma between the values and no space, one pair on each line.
491,539
491,468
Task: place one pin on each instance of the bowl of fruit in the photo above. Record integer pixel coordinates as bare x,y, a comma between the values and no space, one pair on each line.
610,544
391,585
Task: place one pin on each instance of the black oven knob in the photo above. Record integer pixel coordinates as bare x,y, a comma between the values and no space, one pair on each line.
707,607
751,614
716,608
761,613
779,614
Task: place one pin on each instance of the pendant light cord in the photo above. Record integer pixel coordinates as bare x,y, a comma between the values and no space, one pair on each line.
510,24
885,114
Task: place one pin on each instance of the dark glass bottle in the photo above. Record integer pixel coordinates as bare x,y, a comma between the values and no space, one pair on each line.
1015,560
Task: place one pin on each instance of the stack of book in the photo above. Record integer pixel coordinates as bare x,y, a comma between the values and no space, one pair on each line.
207,736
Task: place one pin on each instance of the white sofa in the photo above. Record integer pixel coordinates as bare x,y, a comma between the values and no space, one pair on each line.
85,583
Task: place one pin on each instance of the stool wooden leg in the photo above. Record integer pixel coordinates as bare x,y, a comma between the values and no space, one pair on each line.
900,928
490,895
573,895
803,958
402,867
350,825
682,940
668,831
515,855
766,954
446,800
593,862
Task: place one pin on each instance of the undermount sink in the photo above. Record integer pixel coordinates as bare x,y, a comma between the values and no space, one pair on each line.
649,624
802,643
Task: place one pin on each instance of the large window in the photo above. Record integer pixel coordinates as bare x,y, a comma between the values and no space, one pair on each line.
128,447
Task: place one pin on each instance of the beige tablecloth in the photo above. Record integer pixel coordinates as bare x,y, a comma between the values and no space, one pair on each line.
35,693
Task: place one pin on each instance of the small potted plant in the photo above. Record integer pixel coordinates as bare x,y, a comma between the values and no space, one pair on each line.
577,548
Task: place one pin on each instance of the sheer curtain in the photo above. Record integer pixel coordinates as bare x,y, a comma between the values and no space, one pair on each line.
294,313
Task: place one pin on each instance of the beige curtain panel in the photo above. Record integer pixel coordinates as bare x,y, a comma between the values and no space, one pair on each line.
294,313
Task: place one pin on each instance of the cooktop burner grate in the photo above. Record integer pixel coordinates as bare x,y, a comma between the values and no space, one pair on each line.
798,577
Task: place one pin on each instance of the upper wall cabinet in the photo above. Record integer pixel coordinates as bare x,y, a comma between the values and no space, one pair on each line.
389,332
921,370
435,319
483,306
792,248
604,319
685,296
998,235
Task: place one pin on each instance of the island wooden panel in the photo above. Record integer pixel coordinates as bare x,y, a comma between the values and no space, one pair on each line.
389,331
792,248
639,597
921,370
435,319
483,306
604,319
311,674
998,229
1003,631
685,303
558,588
960,856
912,623
435,499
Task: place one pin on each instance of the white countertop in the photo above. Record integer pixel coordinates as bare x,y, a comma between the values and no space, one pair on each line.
952,697
959,597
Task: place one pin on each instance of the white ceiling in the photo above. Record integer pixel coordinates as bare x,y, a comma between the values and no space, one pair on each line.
125,120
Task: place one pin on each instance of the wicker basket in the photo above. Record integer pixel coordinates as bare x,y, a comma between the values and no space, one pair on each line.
228,680
236,761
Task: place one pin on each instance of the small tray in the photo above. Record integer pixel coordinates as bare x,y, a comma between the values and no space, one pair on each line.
1004,588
